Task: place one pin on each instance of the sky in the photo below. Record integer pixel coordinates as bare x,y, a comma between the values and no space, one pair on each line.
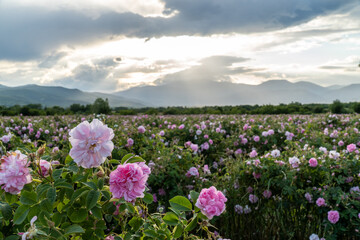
113,45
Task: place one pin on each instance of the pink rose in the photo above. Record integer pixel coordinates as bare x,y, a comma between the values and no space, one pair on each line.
91,143
351,147
313,162
141,129
320,202
128,181
192,172
253,154
253,198
45,167
211,202
194,147
333,216
267,194
14,172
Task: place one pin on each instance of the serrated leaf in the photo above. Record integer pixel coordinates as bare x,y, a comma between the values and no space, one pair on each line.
106,194
41,189
12,237
181,203
51,195
68,159
46,205
148,198
20,214
126,157
78,193
74,229
79,215
28,198
57,174
63,184
191,225
150,233
171,219
6,211
178,230
57,217
194,196
100,183
135,160
114,161
90,185
135,223
91,199
96,212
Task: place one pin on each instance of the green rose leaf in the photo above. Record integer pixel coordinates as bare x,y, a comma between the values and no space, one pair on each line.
181,203
74,229
91,199
171,219
20,214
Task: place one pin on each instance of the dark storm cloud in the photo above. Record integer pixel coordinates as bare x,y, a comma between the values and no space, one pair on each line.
28,33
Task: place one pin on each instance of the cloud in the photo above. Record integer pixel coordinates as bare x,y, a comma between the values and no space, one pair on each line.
90,77
211,69
34,32
51,60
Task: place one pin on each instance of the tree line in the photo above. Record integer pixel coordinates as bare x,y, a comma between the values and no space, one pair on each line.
101,106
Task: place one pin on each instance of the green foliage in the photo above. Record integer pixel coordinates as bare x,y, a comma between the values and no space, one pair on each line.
337,107
101,106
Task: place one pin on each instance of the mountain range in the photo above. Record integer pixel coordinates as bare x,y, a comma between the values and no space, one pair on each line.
185,93
211,93
58,96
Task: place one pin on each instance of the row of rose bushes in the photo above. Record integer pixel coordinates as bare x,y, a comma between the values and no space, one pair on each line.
260,163
91,196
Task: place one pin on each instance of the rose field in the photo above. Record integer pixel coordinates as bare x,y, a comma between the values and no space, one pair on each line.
180,177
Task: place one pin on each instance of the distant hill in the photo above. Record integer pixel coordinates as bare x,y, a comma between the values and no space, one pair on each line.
178,92
58,96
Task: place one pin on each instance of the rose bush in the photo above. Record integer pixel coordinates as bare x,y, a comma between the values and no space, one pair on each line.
281,175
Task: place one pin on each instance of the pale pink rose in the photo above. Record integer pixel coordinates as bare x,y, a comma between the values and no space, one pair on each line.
206,169
253,198
320,202
193,171
128,181
182,126
91,143
45,167
211,202
256,138
194,147
333,216
351,147
141,129
267,194
6,138
341,143
14,172
253,154
313,162
130,142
